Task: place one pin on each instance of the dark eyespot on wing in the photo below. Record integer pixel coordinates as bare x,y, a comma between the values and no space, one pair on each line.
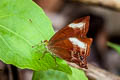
81,58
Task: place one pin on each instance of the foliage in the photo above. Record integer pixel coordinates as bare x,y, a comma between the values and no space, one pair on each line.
58,75
23,24
114,46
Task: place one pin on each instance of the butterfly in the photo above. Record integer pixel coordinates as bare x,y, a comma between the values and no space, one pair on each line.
71,43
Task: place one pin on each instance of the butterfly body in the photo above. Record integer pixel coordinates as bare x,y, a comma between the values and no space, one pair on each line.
71,44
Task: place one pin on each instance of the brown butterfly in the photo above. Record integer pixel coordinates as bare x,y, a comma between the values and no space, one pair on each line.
71,44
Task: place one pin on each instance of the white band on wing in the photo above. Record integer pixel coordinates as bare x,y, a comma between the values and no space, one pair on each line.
77,25
77,42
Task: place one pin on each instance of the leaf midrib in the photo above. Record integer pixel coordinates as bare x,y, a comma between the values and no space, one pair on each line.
16,34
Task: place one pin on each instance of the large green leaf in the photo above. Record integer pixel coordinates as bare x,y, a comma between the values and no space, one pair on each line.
58,75
23,24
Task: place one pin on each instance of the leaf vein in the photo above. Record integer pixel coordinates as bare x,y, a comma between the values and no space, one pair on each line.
16,34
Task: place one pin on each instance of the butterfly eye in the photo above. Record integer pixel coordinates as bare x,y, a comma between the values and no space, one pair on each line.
81,58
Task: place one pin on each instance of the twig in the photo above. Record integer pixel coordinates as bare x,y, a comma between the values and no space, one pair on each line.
95,73
114,4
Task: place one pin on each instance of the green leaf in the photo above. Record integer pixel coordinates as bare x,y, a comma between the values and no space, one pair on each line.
49,75
58,75
23,24
77,75
114,46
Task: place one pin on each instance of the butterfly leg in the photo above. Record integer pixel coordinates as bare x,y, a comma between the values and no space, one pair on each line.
45,42
43,54
39,44
41,48
54,57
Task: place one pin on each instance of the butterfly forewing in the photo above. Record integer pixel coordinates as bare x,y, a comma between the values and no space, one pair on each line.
78,28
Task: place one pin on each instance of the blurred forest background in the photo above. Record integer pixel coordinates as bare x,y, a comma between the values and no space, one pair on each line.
104,27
